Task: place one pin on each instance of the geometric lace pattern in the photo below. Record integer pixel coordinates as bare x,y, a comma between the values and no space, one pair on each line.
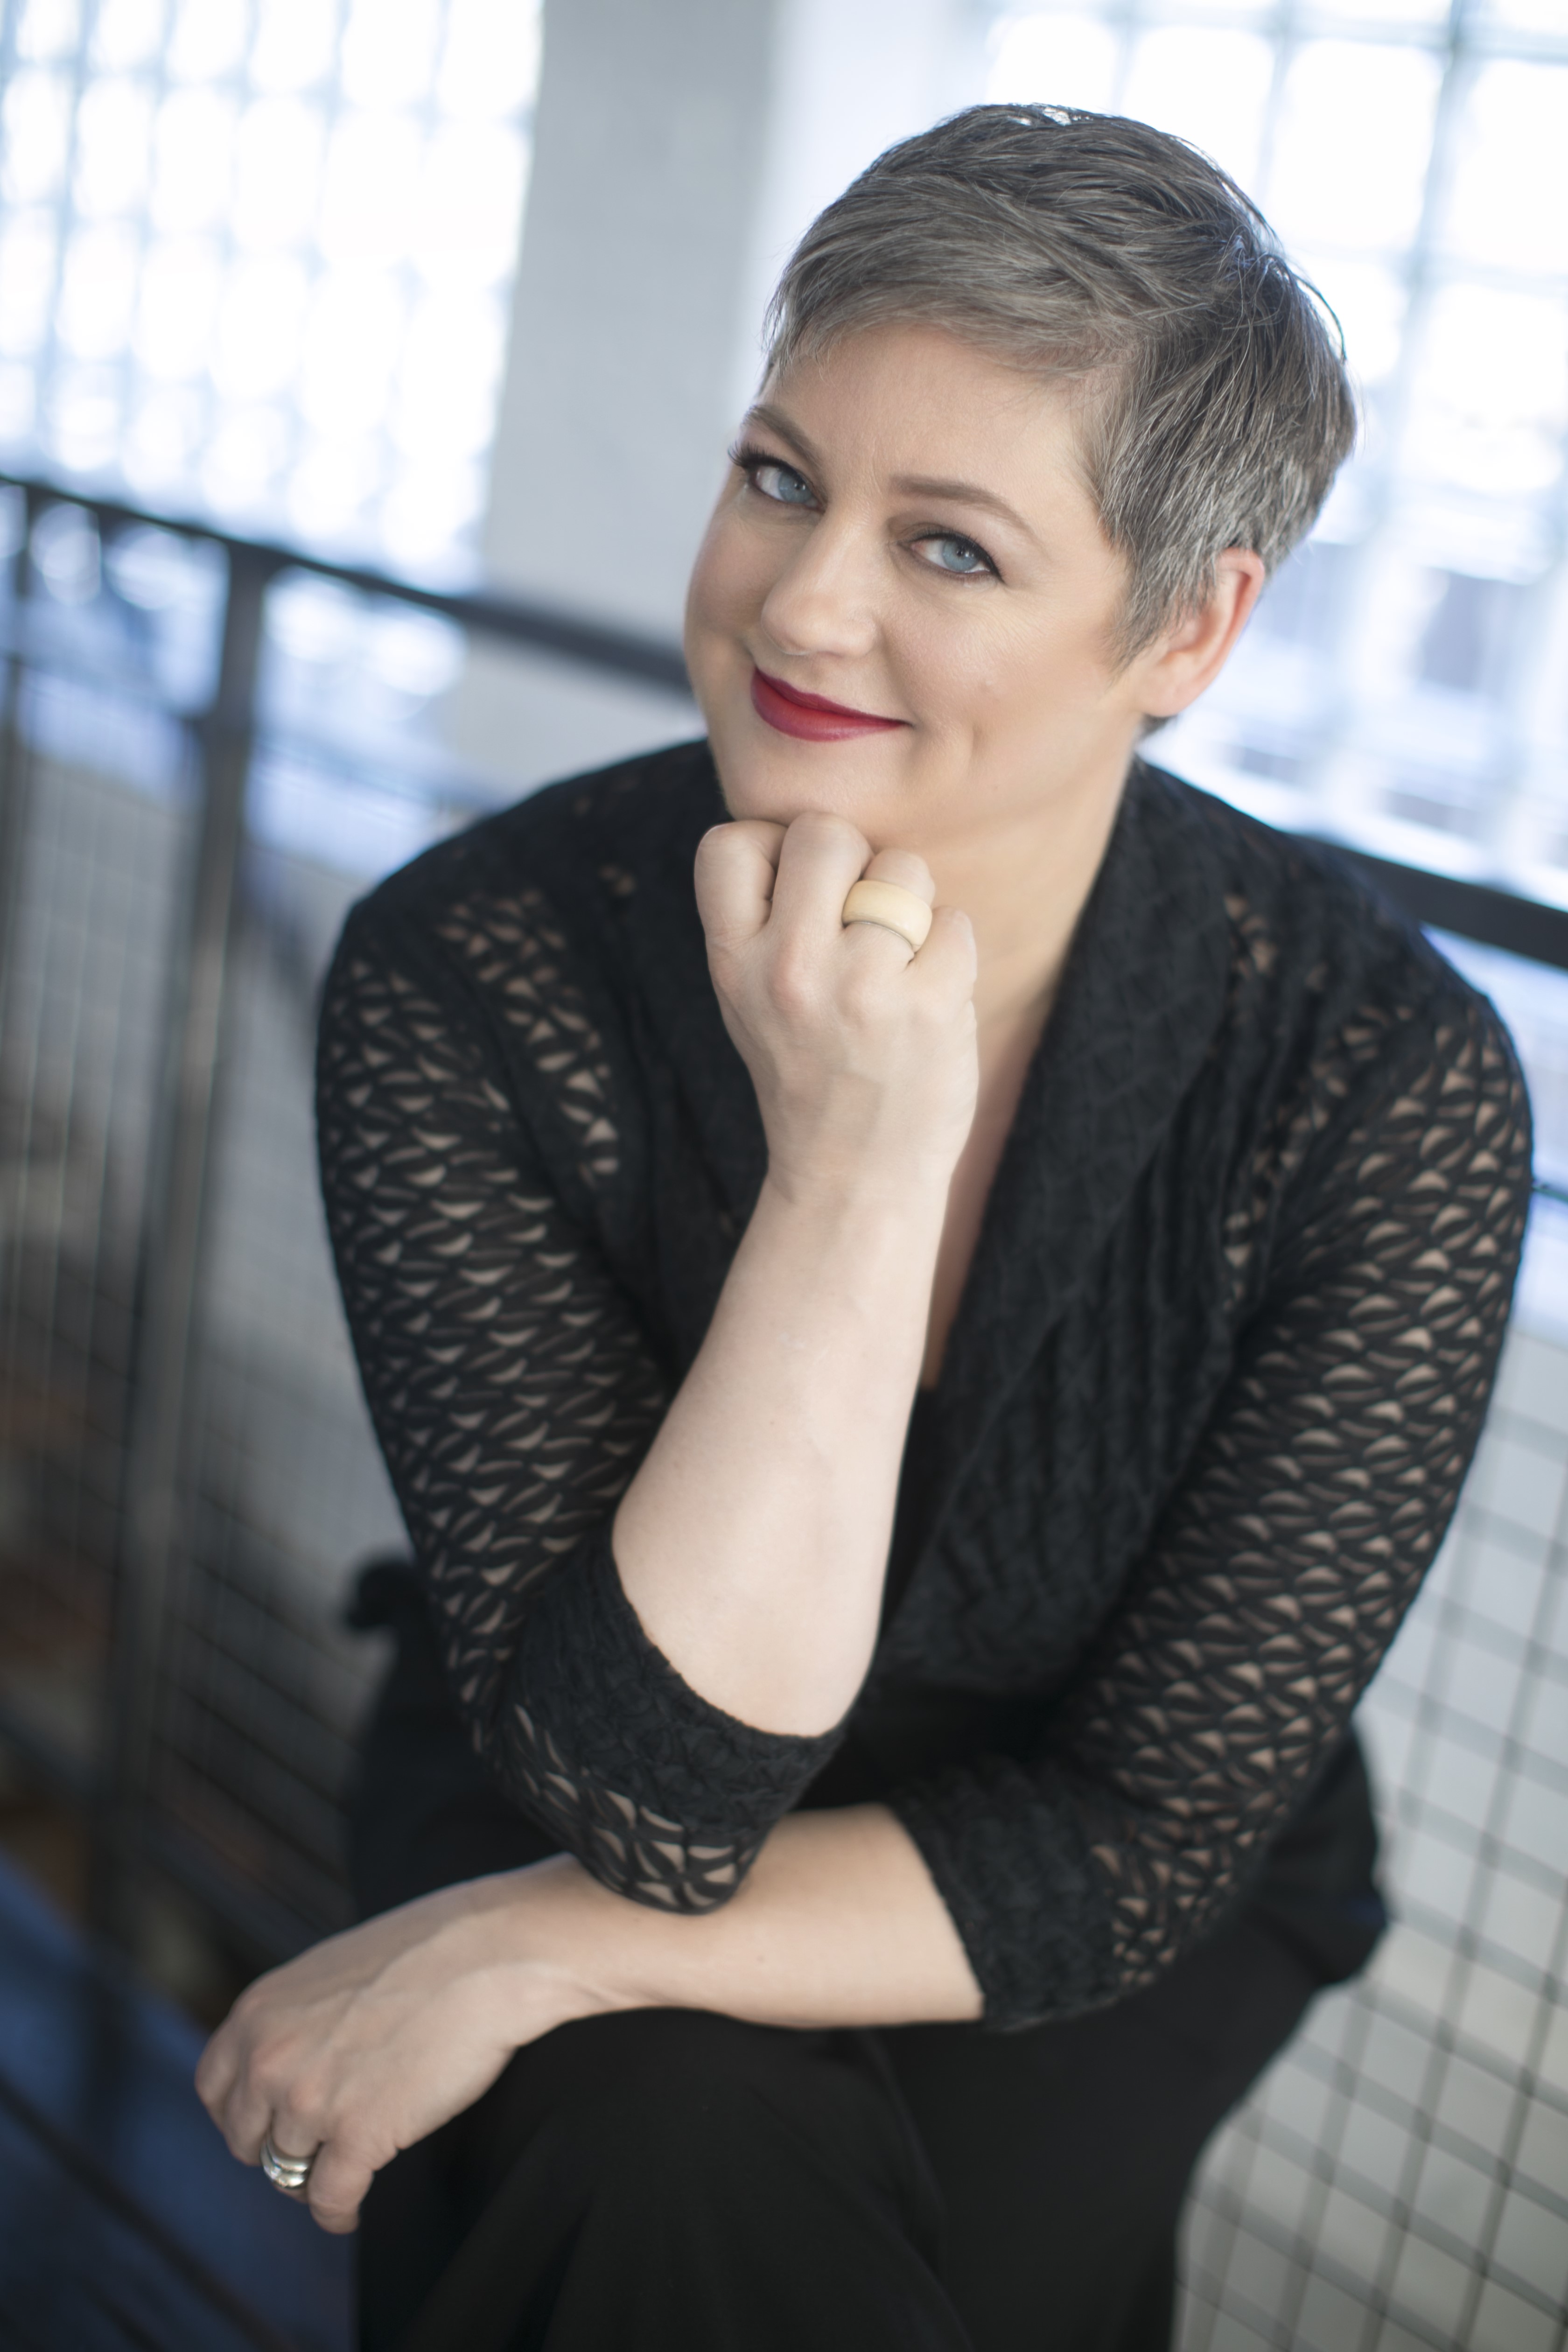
513,1394
1363,1257
1315,1505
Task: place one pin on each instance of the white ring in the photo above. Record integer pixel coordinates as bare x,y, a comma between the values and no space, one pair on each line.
891,907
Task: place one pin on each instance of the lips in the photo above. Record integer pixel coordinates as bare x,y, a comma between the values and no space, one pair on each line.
811,717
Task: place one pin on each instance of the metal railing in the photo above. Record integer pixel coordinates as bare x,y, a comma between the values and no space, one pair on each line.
114,1772
143,1382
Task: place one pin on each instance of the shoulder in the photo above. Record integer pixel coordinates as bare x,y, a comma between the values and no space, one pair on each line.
574,846
1315,949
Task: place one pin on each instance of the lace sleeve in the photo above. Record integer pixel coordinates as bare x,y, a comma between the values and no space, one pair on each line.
1282,1566
514,1392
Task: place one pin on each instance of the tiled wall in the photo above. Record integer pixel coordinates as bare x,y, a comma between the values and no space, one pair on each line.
1400,2180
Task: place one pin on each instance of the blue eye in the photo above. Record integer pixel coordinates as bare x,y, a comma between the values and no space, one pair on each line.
782,483
960,556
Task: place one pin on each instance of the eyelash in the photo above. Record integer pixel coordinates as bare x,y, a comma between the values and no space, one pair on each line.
751,461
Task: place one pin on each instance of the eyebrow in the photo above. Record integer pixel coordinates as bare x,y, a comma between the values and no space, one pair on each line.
918,486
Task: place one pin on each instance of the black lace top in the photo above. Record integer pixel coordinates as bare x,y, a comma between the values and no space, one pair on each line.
1215,1380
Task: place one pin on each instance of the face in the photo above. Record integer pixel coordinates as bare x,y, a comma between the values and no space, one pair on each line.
907,534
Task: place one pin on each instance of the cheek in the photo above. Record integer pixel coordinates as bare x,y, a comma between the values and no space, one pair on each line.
731,578
994,674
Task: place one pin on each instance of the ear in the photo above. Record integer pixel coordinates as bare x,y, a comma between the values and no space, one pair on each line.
1190,654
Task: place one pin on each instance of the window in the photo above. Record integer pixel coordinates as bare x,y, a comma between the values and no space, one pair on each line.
1405,684
255,255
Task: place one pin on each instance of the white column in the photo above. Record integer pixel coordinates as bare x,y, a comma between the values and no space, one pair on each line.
680,148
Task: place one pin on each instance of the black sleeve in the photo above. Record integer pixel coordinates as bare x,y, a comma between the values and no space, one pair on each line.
514,1392
1283,1565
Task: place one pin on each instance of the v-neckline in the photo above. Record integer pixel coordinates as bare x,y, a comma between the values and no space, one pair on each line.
1141,995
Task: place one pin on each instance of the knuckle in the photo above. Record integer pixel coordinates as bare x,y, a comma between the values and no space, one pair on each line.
792,985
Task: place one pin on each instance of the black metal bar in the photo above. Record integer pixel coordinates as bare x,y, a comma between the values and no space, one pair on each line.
571,637
170,1261
15,756
1474,911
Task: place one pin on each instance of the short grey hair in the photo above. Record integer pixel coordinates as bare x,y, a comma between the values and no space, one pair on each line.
1091,247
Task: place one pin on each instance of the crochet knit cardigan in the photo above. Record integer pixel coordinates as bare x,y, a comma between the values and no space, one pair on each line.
1220,1364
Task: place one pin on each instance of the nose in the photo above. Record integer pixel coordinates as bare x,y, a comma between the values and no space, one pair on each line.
825,599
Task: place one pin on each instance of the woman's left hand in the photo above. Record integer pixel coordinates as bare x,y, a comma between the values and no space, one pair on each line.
368,2041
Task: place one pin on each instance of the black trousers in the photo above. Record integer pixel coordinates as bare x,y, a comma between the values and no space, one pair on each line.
678,2181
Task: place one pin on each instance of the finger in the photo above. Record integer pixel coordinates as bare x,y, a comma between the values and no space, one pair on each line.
822,857
216,2069
338,2183
948,960
905,869
734,877
245,2119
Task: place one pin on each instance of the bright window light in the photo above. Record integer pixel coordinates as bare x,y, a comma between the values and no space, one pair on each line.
255,254
1405,682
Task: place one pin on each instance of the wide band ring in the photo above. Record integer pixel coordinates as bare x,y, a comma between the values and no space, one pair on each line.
288,2173
894,908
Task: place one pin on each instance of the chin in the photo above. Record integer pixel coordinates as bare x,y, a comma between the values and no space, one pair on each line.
779,780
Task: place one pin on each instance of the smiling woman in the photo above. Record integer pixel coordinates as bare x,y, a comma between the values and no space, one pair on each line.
927,1291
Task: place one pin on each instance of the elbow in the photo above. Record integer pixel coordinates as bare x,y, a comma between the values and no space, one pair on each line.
632,1850
680,1876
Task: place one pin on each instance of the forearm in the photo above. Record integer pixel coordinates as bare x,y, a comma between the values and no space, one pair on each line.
754,1540
837,1925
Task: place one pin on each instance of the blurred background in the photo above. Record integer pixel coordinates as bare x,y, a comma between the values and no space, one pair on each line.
365,371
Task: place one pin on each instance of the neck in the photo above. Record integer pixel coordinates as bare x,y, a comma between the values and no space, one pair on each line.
1023,884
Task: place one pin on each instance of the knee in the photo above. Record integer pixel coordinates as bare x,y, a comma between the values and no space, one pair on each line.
653,2068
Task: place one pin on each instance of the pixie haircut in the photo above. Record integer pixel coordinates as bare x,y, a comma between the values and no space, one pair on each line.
1094,248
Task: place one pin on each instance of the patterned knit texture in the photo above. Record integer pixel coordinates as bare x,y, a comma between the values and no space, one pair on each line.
1218,1370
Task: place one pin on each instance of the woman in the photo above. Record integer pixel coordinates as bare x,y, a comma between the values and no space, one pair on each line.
916,1426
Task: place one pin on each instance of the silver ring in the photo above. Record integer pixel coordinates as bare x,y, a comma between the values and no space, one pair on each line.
288,2173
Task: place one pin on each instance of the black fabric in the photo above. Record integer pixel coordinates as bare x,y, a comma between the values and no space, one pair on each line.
665,2179
1218,1372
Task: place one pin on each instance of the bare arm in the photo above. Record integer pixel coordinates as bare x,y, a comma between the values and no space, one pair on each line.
752,1544
374,2039
754,1540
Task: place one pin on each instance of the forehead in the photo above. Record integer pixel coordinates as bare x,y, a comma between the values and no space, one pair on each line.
917,400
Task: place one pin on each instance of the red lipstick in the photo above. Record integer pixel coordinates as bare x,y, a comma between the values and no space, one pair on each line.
811,717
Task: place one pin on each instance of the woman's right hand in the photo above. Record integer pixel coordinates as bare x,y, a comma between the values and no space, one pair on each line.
862,1053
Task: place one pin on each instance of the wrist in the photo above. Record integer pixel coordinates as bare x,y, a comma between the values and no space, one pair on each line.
551,1939
868,1208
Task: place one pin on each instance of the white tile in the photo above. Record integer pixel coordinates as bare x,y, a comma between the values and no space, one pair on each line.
1281,2189
1454,2195
1480,1684
1497,2015
1531,2245
1297,2098
1505,2322
1397,2056
1535,1821
1476,2101
1416,1968
1521,1917
1352,2235
1519,1481
1328,2319
1533,1378
1262,2278
1504,1585
1542,2153
1429,2286
1543,1725
1461,1781
1233,2334
1375,2149
1553,2069
1429,1867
